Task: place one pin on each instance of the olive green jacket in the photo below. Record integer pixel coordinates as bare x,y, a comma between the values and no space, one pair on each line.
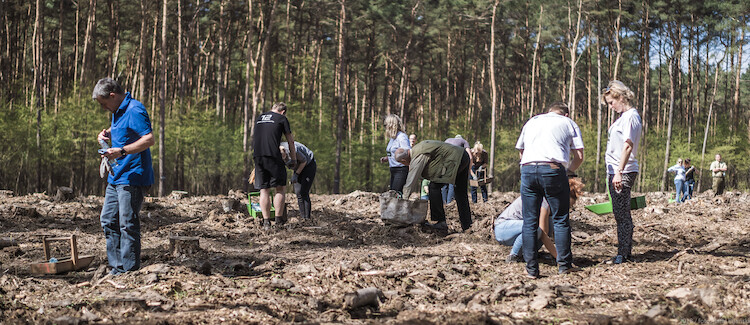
434,160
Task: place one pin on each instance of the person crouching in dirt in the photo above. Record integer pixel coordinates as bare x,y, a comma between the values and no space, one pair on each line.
441,163
304,174
508,225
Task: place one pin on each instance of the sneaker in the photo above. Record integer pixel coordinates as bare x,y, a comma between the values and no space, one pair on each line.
266,225
513,258
619,259
531,276
280,220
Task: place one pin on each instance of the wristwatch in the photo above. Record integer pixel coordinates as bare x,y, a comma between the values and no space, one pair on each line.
123,152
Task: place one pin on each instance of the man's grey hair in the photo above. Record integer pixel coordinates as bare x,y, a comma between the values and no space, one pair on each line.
105,86
401,154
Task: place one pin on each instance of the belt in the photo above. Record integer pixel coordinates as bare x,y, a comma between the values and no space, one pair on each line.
542,163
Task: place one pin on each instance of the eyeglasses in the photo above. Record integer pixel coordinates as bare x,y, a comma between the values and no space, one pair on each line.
605,90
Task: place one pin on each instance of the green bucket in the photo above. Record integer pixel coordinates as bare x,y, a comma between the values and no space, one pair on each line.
638,202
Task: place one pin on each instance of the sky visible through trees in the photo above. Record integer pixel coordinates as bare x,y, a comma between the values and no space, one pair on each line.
342,66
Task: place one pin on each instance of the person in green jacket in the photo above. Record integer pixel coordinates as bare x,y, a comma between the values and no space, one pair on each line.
441,163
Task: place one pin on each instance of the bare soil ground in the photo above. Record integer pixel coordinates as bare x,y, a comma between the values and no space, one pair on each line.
692,265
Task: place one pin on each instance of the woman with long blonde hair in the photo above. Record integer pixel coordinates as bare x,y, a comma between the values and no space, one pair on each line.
397,138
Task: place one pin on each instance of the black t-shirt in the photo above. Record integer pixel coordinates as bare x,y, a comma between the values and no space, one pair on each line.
269,127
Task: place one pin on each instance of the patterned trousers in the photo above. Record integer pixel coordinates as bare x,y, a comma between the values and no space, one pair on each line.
621,210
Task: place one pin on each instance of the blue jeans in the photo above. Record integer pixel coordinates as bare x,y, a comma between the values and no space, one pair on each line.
551,182
449,192
688,190
679,186
508,233
122,227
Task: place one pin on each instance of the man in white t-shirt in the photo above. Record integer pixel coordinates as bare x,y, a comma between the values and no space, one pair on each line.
550,145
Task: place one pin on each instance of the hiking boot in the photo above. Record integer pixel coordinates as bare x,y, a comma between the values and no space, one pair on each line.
266,225
513,258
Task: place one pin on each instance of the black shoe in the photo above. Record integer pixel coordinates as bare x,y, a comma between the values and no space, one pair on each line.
438,225
531,276
266,225
513,258
280,220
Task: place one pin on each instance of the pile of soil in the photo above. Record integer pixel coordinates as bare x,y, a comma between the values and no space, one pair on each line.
691,264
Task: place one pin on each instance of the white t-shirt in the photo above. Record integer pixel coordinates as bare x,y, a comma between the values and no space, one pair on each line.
401,141
627,127
549,138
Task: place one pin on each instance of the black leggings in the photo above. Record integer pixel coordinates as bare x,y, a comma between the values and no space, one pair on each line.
437,211
302,188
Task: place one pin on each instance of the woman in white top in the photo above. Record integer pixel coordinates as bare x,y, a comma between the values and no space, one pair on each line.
679,180
622,167
394,130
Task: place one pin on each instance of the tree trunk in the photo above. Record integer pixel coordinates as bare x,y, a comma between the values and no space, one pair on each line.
737,75
533,63
573,60
493,84
673,69
162,96
708,123
598,114
341,98
219,61
36,97
89,39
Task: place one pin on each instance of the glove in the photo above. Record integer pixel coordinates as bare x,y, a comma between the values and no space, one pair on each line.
294,178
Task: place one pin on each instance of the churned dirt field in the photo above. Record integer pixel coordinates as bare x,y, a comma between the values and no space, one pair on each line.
692,265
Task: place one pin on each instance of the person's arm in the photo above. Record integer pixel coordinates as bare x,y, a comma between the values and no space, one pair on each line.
626,150
544,226
577,160
139,145
292,149
301,163
414,179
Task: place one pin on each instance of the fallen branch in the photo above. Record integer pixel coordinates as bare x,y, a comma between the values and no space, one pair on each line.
116,285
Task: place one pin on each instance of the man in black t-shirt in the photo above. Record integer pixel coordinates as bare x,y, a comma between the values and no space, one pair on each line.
270,170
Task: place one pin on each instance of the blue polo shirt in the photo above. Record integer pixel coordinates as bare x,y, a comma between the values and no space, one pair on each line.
129,123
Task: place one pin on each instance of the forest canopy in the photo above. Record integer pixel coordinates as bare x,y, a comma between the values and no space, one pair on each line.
205,69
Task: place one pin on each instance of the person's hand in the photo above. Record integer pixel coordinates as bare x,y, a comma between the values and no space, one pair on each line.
617,182
383,160
104,135
294,178
113,153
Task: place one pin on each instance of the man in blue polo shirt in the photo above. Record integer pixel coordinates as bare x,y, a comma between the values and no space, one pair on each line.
131,136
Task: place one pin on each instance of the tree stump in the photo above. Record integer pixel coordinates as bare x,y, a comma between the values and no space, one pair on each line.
64,194
183,246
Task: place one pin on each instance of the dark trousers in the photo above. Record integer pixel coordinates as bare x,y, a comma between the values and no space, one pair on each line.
483,188
437,211
398,178
302,188
548,181
621,211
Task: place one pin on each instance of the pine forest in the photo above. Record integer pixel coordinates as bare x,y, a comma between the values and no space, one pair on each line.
205,70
